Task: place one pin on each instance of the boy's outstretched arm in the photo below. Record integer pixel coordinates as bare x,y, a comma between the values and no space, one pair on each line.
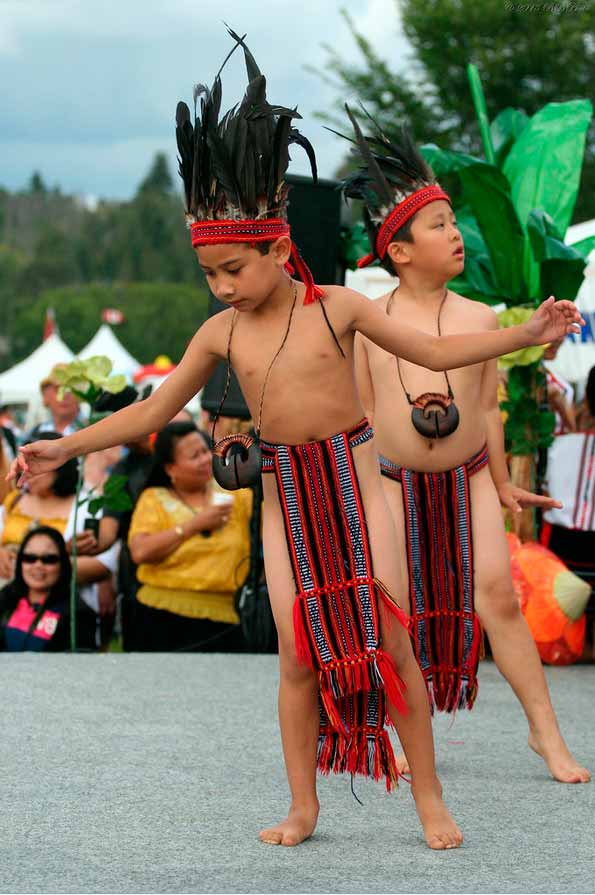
131,423
551,321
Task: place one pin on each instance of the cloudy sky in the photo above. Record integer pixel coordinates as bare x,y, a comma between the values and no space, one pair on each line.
90,86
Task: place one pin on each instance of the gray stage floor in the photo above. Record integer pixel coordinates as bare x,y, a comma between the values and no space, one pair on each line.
146,774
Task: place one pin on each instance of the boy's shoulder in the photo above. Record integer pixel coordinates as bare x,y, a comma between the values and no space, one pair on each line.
342,297
476,311
215,330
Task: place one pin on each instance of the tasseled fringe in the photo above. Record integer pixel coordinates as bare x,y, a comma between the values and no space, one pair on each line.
362,752
391,604
302,643
369,671
393,686
451,692
477,651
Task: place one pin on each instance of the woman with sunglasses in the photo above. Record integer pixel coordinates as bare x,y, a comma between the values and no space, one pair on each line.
34,607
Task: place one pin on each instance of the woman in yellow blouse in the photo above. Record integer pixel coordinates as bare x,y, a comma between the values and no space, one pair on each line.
49,500
190,540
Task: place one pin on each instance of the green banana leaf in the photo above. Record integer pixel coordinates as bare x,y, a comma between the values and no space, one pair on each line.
487,191
584,247
544,168
561,266
477,280
544,165
505,129
444,162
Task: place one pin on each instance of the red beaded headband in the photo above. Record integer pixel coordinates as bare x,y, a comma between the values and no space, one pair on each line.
267,230
400,214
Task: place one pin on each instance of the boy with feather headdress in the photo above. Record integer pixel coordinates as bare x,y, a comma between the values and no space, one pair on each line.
329,541
441,445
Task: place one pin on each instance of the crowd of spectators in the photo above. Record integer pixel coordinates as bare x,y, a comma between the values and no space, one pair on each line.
165,573
162,575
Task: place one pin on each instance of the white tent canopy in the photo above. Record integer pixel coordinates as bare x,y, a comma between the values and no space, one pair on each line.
105,342
20,384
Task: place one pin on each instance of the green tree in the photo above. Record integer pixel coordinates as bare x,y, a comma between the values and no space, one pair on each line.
36,184
526,58
159,178
160,318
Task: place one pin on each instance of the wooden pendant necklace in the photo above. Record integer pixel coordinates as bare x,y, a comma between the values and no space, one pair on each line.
433,414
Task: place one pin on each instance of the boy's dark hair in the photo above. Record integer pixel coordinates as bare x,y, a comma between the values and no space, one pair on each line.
59,593
67,474
403,234
164,451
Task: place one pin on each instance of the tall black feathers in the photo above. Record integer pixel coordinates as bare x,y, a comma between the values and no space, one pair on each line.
234,168
389,171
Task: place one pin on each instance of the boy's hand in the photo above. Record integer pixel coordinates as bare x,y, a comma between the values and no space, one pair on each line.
517,499
553,320
35,459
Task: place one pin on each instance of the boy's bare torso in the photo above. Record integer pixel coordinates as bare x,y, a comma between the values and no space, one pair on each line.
396,437
311,392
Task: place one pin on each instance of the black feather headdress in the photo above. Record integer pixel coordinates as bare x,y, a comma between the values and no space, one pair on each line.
392,180
233,168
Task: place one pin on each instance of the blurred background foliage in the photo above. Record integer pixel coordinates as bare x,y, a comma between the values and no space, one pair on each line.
78,258
526,57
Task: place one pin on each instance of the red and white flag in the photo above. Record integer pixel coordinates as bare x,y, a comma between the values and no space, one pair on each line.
50,326
112,316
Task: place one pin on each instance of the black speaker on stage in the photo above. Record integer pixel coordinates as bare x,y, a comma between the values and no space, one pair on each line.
315,216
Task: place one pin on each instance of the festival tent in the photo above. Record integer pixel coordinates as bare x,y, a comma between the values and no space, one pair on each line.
105,342
20,384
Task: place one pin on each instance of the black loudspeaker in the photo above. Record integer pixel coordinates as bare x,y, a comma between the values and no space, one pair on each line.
315,216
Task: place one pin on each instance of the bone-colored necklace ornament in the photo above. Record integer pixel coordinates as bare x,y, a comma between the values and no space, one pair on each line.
433,414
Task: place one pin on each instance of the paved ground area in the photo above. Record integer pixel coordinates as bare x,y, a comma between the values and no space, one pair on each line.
147,774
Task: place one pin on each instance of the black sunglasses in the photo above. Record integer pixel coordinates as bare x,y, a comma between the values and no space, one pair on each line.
48,559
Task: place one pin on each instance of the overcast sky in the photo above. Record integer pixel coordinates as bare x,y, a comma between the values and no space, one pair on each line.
89,87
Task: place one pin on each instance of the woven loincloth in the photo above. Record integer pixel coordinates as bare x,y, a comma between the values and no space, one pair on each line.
336,621
445,629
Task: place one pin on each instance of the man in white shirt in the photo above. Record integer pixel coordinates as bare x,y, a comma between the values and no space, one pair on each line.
64,412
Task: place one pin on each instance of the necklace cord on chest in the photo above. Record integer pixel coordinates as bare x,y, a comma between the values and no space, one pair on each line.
270,367
388,309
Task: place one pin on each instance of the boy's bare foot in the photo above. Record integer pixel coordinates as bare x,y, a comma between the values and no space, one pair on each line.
298,826
439,828
561,765
402,764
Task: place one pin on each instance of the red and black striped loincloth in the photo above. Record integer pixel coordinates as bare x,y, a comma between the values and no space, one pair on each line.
445,629
335,614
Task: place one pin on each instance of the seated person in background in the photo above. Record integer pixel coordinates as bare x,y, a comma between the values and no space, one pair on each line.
585,414
190,540
560,393
114,525
182,416
64,411
50,500
35,606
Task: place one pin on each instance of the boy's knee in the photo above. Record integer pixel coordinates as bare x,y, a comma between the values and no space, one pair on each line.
499,604
397,643
293,672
